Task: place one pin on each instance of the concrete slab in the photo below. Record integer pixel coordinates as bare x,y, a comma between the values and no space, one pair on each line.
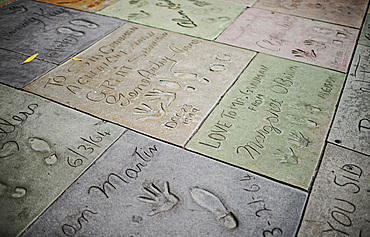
291,37
274,119
351,126
365,32
342,12
141,187
15,74
56,33
160,83
44,148
84,5
339,202
248,3
204,19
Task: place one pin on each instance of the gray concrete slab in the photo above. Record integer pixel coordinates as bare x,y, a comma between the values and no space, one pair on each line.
274,119
351,126
44,147
154,81
55,32
141,187
15,74
365,32
339,202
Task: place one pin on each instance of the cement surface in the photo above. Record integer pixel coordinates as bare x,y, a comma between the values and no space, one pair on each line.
365,32
44,148
351,126
15,74
157,82
205,19
341,12
273,120
339,202
248,3
141,187
291,37
84,5
55,32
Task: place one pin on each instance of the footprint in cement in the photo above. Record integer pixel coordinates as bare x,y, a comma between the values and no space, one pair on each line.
213,204
300,120
85,23
19,192
41,145
70,31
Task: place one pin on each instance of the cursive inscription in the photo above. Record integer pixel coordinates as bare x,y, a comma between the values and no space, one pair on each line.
127,174
10,147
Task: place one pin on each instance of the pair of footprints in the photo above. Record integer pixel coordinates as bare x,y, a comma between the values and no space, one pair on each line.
165,200
77,22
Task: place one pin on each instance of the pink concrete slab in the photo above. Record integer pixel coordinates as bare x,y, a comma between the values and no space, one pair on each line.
291,37
342,12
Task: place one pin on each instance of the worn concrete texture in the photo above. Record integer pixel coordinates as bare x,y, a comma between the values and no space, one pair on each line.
339,202
341,12
248,3
351,126
157,82
205,19
55,32
291,37
44,148
84,5
141,187
273,120
15,74
365,32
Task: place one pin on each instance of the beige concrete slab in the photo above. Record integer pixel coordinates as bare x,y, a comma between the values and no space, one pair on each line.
339,202
351,126
342,12
318,43
274,119
44,147
160,83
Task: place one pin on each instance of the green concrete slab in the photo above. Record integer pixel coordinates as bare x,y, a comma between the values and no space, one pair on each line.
205,19
342,12
44,148
274,119
365,32
163,84
339,202
351,126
